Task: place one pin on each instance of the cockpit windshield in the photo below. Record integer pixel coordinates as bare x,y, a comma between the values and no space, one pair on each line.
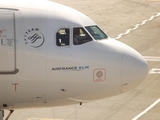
80,36
96,32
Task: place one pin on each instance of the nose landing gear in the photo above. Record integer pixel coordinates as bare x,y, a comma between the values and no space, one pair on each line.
2,114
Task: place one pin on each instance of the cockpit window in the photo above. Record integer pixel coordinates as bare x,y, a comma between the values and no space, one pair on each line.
62,37
96,32
80,36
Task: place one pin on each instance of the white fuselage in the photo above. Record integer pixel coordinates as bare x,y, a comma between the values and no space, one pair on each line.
36,72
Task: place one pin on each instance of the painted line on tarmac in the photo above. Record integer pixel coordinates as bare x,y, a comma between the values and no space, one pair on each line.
146,110
138,25
152,58
154,0
154,71
45,119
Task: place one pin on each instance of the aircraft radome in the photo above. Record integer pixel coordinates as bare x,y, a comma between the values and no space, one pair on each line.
53,55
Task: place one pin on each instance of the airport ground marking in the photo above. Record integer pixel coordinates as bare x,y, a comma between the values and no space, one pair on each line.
146,110
44,119
154,71
152,58
138,25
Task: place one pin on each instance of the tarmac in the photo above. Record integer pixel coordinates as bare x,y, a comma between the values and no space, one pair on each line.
136,23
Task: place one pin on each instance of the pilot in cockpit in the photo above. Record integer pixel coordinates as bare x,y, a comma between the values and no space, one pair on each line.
76,36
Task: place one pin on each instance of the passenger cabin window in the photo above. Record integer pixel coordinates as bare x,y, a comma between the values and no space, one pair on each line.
80,36
96,32
62,37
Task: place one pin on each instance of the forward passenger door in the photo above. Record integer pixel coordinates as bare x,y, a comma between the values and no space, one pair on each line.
7,43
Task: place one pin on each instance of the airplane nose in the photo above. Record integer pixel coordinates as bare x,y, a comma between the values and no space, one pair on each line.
134,69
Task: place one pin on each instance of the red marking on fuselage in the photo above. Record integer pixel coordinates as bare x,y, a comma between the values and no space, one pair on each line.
15,86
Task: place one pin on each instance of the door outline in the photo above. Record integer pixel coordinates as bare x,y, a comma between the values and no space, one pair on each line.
15,71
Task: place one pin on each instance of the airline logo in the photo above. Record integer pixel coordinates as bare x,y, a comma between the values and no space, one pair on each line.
34,37
70,68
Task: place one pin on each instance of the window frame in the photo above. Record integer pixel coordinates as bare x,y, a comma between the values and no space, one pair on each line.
69,37
84,32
